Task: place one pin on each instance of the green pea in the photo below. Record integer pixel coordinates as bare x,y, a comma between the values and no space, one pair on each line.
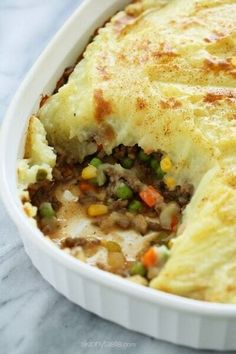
96,162
143,157
160,174
138,268
127,162
46,210
134,206
124,192
154,164
41,175
94,181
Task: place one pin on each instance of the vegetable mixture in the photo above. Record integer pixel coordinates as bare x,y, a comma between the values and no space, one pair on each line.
127,190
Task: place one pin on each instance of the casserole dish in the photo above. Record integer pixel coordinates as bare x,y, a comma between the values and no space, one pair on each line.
160,315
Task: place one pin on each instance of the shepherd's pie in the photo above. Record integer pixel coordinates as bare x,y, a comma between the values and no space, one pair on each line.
130,165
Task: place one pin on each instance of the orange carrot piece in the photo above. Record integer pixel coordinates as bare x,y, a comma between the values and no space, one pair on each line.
150,196
174,223
86,187
150,258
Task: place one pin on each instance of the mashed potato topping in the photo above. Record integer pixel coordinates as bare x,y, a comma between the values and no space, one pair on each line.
39,157
162,75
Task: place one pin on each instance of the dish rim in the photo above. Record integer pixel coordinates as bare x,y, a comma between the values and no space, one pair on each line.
18,216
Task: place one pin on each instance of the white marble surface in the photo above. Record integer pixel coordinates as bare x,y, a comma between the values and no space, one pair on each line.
34,318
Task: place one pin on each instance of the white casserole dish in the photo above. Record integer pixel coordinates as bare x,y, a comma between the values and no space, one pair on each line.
160,315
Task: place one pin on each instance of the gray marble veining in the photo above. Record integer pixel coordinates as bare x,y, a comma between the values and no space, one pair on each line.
34,318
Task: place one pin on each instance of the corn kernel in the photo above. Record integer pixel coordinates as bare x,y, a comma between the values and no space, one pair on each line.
89,172
170,182
166,164
97,210
30,210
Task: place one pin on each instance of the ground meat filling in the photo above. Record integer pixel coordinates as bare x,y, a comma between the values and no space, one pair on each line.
132,190
126,190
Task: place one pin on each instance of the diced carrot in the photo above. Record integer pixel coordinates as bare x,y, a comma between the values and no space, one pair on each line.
150,258
174,223
86,187
150,196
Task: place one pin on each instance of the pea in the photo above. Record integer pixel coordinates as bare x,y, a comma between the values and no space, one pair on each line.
124,192
154,164
94,181
46,210
127,163
143,157
160,174
138,268
41,175
96,162
134,206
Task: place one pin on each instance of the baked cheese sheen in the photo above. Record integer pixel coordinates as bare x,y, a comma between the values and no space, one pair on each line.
162,74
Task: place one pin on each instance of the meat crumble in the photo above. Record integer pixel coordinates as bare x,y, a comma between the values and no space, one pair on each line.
127,190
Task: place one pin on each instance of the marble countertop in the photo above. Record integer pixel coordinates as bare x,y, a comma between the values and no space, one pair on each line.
34,318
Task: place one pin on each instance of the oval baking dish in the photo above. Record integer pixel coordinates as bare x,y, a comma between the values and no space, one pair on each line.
155,313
